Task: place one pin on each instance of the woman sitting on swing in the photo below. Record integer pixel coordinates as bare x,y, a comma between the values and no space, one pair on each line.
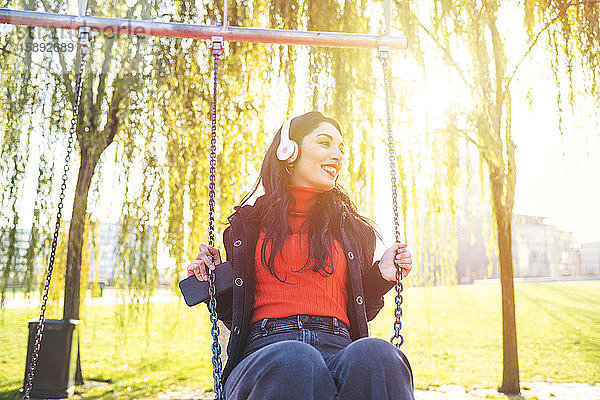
305,285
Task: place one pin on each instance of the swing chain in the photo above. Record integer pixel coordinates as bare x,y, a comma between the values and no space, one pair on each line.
384,57
217,47
40,327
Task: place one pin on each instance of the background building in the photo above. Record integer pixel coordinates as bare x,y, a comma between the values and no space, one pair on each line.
590,258
102,260
540,249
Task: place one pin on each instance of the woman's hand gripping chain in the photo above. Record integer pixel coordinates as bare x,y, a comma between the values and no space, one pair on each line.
397,255
206,258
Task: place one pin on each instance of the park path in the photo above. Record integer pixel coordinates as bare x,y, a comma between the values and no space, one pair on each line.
529,391
109,299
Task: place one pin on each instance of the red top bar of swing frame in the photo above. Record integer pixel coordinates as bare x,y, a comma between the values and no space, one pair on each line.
181,30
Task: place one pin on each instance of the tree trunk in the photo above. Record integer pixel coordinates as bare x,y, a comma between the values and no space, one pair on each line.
510,364
75,245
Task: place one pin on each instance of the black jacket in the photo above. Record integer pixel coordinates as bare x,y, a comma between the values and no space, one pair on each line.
365,284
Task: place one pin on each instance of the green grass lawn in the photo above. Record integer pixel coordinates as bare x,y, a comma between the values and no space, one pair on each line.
452,335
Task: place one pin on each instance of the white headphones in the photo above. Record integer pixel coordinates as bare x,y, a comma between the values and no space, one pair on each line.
287,149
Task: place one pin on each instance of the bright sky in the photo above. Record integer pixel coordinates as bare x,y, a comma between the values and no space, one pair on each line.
556,175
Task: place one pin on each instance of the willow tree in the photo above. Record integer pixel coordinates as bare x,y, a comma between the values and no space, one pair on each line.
104,100
99,121
468,37
18,96
338,81
570,31
256,80
152,98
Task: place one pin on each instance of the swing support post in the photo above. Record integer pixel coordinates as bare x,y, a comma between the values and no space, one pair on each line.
193,31
387,11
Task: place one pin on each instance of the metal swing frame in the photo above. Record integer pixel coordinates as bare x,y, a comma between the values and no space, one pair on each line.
193,31
217,34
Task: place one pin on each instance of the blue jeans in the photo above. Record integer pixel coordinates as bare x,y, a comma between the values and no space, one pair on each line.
313,358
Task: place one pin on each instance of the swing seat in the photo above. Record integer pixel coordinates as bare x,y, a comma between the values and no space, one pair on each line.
57,359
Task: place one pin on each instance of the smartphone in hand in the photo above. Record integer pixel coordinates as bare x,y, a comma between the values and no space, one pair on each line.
195,291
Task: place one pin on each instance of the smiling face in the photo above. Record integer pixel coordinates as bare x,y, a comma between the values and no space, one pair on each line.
320,161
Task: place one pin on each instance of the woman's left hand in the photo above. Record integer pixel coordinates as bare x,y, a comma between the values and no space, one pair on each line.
397,255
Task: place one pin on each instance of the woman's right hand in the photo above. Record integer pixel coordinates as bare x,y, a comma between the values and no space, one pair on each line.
206,258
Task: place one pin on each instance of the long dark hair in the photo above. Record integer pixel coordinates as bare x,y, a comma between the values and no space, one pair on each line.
325,217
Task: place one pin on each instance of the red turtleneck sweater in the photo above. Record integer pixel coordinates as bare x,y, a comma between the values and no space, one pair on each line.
306,291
